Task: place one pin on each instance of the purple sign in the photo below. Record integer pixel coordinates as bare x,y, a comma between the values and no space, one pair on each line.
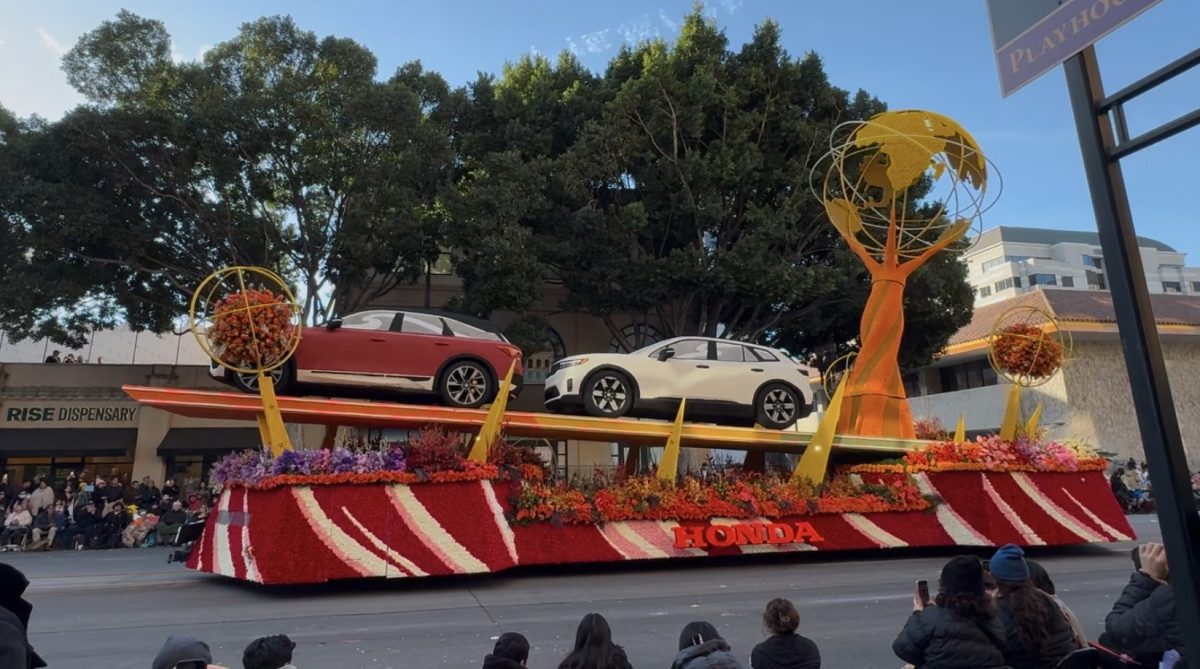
1066,31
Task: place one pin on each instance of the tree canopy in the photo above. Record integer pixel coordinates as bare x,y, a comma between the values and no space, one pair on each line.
672,188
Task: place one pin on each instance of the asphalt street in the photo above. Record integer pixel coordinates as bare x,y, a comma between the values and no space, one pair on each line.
114,609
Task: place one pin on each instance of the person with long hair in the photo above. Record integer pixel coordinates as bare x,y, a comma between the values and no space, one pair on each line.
784,649
1036,633
959,629
701,647
1041,580
594,647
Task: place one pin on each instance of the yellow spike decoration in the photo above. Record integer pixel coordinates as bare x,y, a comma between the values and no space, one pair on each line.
668,466
815,460
960,432
1031,427
1012,414
494,421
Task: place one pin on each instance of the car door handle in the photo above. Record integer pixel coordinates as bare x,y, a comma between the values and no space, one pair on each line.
702,366
756,369
378,339
441,343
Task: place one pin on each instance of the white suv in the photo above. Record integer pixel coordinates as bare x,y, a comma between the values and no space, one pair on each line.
724,381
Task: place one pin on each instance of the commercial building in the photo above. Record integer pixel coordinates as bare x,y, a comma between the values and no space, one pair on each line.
1090,398
1009,261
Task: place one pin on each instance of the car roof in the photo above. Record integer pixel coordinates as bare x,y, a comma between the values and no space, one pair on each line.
481,323
719,340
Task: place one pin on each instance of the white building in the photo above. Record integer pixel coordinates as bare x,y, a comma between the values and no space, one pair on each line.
1007,261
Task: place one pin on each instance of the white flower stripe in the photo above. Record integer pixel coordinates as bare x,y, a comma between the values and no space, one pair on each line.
627,532
349,551
506,532
875,533
1114,532
619,543
391,555
435,537
1056,512
221,555
1023,529
959,529
247,557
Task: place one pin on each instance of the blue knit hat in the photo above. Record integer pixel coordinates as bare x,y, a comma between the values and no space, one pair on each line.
1008,564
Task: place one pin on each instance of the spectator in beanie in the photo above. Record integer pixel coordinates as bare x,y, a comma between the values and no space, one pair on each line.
1041,580
41,497
594,647
784,649
269,652
510,652
1036,634
1142,622
960,631
15,651
183,650
701,647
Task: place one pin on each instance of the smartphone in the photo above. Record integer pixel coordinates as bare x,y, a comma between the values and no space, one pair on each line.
1137,558
923,591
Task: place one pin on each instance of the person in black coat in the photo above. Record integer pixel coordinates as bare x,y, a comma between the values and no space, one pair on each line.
15,650
1036,633
83,530
701,647
1142,622
961,631
594,647
784,649
109,529
510,652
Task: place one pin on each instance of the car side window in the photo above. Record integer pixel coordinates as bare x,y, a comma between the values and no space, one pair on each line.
691,349
423,324
461,329
369,320
729,353
763,355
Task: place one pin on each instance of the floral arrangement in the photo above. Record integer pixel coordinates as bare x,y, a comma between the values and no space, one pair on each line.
993,454
729,495
1025,350
254,337
931,429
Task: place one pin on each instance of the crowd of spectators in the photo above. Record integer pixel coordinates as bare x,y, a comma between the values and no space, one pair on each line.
100,512
1001,613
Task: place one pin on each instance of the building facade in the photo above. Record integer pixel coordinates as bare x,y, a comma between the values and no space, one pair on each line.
1008,261
1090,398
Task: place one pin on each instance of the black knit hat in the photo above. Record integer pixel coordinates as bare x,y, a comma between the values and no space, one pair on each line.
963,576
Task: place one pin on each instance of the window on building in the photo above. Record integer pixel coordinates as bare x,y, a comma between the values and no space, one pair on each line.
1043,280
1196,286
639,335
968,375
985,291
1172,287
1068,282
1002,260
1005,284
1094,262
1096,281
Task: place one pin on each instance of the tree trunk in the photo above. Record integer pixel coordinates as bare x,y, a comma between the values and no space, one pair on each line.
874,403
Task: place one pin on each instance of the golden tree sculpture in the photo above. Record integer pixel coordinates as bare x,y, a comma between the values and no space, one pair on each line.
901,187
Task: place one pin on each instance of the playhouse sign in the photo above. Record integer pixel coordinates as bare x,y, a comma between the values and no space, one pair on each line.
745,534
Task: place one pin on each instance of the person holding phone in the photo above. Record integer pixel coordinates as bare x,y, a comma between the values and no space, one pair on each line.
958,629
1142,622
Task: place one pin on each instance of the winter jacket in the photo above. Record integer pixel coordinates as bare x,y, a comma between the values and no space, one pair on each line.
15,651
20,518
712,654
41,498
173,517
939,638
495,662
1060,640
1142,621
786,651
44,520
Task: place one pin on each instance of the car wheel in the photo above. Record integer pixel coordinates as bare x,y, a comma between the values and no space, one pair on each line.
281,376
465,384
778,406
608,394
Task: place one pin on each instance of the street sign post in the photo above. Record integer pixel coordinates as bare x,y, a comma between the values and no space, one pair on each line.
1030,37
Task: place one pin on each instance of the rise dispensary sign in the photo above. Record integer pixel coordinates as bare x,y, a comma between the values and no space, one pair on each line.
1032,36
69,414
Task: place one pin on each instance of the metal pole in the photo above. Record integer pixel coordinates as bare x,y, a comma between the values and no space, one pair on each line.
1152,401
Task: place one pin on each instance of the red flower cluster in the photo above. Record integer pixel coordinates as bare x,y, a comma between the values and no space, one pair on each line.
1025,350
989,454
745,496
930,429
252,328
473,472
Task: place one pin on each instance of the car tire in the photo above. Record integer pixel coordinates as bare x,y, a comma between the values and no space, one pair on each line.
607,394
465,384
283,377
778,406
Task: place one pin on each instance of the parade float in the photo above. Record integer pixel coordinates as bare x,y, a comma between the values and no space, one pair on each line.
436,504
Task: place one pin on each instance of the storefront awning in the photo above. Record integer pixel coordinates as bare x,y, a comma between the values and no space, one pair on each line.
204,440
63,442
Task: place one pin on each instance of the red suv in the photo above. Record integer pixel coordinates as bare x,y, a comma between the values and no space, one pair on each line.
460,359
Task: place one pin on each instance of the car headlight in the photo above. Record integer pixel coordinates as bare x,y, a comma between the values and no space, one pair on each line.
563,364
